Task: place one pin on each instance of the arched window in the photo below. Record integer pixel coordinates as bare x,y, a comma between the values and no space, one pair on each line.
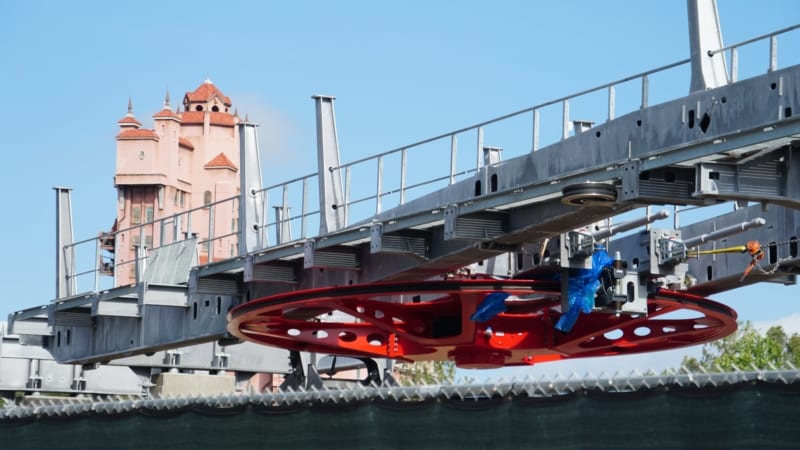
198,108
215,108
206,198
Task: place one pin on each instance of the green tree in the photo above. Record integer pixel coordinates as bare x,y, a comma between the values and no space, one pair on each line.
426,372
748,349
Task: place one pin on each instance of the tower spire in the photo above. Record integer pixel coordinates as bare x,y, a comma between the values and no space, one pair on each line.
166,100
130,106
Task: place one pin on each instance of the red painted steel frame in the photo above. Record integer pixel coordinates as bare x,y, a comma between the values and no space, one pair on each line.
430,320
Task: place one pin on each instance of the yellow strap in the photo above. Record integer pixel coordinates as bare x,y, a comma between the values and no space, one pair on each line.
736,249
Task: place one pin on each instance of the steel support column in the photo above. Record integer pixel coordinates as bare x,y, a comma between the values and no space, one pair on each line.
331,195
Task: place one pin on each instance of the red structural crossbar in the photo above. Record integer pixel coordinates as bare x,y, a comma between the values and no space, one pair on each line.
430,320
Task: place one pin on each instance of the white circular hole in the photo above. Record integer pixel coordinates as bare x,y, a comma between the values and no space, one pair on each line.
700,326
293,332
375,340
641,331
360,309
378,314
321,334
669,329
613,334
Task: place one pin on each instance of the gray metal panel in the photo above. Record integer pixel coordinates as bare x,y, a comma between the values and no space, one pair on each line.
65,252
251,203
331,194
163,325
171,263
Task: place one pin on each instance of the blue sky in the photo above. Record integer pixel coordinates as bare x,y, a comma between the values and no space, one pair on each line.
401,72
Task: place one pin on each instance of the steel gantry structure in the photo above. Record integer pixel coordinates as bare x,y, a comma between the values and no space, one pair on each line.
412,280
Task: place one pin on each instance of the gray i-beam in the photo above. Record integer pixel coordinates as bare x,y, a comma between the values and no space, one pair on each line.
251,204
331,197
705,35
65,253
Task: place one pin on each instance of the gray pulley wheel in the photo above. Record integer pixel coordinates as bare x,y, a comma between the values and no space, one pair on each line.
589,194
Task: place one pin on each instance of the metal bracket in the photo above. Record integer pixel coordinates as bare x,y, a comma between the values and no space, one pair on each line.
622,292
670,251
666,251
576,250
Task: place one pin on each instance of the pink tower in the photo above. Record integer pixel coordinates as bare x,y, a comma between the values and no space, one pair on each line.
176,171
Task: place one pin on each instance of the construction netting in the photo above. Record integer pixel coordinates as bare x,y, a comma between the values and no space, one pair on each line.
747,412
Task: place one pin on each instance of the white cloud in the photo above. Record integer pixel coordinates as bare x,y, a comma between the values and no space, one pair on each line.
790,323
287,149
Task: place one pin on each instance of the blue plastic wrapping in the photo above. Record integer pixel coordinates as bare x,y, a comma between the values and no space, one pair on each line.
581,288
492,305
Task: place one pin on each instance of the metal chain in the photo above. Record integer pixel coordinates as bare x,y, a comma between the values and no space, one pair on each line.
774,266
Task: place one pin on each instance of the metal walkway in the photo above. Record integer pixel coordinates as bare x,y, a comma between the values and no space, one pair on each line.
535,210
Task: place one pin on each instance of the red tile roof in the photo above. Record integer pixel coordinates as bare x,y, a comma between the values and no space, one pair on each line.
137,134
221,118
165,113
221,161
197,117
206,92
192,117
185,143
129,119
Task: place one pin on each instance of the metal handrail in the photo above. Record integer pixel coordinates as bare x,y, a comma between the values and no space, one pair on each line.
379,193
755,39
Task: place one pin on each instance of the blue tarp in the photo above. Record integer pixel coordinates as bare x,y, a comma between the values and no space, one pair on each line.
581,288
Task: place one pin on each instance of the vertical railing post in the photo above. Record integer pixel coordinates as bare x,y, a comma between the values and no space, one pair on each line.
403,167
565,119
264,235
773,53
139,256
612,100
734,64
176,219
535,137
453,152
211,233
188,233
99,259
303,209
379,187
645,90
480,149
286,230
347,196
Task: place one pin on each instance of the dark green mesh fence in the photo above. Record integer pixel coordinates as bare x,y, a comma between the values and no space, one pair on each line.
744,415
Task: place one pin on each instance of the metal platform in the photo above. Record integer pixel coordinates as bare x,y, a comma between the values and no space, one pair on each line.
728,141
